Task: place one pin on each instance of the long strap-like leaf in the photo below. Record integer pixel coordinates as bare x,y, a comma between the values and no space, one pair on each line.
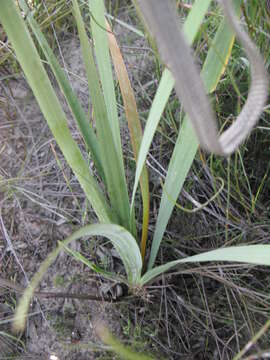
135,129
122,240
252,254
114,171
111,162
37,78
187,143
73,102
176,54
190,28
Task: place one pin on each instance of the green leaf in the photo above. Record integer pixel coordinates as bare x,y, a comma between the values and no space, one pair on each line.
78,112
190,28
99,33
187,144
106,274
135,129
105,110
38,80
112,166
183,155
122,240
252,254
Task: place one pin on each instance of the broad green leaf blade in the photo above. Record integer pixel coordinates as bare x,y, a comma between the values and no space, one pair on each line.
99,33
135,129
187,144
112,166
114,162
38,80
190,28
183,155
121,239
75,106
176,54
218,55
251,254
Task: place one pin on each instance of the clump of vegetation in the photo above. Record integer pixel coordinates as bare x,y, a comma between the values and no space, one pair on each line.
116,214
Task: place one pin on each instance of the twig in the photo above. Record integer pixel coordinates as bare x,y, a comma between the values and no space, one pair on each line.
46,295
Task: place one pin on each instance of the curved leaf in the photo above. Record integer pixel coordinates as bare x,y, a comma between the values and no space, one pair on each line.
187,144
121,239
252,254
84,125
38,80
190,28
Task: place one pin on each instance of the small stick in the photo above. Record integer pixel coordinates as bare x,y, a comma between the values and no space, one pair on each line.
46,295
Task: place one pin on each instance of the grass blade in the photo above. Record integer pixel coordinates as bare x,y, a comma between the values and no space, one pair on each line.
135,129
121,239
37,78
106,274
112,165
190,28
78,112
187,144
252,254
99,33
